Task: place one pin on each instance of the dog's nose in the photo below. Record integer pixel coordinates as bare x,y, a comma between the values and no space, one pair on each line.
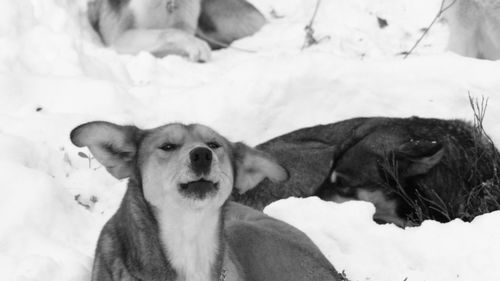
201,160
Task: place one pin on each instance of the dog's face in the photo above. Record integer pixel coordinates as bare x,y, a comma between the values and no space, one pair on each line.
184,166
187,164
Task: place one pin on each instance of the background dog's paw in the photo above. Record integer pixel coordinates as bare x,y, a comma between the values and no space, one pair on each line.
183,44
197,50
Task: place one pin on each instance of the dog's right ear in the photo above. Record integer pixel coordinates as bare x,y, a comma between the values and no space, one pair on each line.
114,146
253,166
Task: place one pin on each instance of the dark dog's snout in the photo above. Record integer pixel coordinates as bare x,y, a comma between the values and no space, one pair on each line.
201,160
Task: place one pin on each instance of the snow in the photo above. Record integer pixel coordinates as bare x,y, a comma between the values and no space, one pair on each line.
54,75
367,251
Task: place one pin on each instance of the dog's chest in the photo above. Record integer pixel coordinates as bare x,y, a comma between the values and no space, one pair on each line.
160,14
191,246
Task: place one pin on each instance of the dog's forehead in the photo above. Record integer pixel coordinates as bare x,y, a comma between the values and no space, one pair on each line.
174,131
202,131
177,132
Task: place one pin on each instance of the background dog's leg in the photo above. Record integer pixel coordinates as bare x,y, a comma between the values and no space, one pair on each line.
162,42
462,39
463,19
490,29
123,30
227,20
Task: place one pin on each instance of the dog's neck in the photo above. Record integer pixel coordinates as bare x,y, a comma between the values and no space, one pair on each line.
191,241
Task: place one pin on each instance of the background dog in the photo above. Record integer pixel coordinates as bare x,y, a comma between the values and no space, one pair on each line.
474,28
164,27
411,169
175,223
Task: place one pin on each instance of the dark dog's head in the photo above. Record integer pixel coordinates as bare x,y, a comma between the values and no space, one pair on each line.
178,165
379,169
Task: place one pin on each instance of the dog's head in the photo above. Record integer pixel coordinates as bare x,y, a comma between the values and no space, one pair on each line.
179,165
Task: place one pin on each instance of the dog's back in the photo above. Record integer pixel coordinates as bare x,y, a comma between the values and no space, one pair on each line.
267,248
474,28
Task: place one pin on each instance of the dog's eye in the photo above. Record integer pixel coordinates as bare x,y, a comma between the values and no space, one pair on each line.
168,147
213,145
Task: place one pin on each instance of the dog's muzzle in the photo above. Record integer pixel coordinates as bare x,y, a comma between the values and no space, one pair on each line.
201,164
199,189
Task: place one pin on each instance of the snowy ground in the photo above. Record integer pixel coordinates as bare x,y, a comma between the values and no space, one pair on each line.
55,75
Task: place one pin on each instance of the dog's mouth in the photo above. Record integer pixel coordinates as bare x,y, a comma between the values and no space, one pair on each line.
199,189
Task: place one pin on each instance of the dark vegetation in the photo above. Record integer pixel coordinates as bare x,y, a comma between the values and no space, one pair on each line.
477,178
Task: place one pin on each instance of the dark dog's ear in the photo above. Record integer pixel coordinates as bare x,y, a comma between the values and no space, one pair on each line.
112,145
421,156
252,166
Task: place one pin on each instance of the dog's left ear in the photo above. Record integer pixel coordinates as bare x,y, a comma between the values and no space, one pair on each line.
114,146
253,166
419,156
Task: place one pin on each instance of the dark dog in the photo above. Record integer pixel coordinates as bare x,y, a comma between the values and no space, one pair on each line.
411,169
175,222
165,27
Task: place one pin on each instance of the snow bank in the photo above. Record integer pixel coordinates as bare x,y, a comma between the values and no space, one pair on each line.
366,251
54,75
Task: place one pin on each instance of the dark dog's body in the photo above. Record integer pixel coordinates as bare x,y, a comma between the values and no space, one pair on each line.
175,223
165,27
400,165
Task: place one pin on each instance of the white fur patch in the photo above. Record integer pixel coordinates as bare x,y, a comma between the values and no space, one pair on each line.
380,201
154,14
333,177
190,239
385,209
150,13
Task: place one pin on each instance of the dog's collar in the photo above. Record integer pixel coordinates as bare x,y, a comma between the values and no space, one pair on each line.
229,269
222,276
225,263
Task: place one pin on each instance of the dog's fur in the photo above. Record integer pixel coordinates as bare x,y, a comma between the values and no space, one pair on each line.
474,28
165,27
376,159
175,222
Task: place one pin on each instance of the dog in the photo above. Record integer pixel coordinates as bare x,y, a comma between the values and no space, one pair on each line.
474,28
181,27
175,221
411,169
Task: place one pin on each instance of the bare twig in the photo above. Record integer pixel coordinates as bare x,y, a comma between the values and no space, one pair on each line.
479,110
436,203
485,193
442,9
310,39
